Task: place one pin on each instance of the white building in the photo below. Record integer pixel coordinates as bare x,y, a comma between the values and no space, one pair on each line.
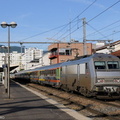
112,48
14,58
2,59
44,60
31,57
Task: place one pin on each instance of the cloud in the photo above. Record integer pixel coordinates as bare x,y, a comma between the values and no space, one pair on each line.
96,4
23,16
82,1
88,2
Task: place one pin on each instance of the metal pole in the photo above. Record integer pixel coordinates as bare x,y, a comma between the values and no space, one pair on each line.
8,62
4,25
84,37
5,74
21,57
58,53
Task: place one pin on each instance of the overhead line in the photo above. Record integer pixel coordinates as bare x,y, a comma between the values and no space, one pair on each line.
84,10
65,25
112,34
97,16
73,20
36,42
78,16
97,31
44,32
104,27
104,11
70,33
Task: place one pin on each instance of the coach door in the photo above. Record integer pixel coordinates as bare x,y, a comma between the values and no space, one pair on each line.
63,75
84,75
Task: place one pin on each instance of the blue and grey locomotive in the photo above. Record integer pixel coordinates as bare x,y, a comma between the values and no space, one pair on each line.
96,75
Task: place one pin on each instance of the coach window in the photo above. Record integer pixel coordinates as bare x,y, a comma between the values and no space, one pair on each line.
100,65
113,65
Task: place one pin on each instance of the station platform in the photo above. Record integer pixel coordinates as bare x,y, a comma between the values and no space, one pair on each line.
26,104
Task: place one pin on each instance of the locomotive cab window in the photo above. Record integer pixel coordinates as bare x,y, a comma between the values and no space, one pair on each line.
100,65
113,65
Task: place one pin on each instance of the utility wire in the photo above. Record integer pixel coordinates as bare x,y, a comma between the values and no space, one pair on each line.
97,31
105,27
67,31
70,33
103,11
97,15
61,29
43,32
77,17
84,10
111,34
72,21
64,26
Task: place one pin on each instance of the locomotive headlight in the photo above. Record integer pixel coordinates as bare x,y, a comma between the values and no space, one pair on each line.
117,80
100,80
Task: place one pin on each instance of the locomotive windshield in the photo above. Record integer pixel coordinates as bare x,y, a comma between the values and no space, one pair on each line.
100,65
110,65
113,65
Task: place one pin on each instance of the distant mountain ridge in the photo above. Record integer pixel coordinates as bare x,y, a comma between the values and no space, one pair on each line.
12,48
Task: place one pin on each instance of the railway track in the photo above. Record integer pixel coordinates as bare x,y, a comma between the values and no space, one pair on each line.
90,107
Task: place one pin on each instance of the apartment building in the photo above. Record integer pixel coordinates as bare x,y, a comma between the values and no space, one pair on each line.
61,52
31,57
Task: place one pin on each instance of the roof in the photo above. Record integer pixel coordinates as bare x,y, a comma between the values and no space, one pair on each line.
116,53
105,46
11,68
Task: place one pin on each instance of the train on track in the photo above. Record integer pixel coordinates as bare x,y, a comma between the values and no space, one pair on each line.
96,75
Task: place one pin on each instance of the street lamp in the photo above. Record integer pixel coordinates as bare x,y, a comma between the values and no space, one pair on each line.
4,25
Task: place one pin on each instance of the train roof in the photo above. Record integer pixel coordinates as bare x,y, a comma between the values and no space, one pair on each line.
108,56
96,56
48,67
23,71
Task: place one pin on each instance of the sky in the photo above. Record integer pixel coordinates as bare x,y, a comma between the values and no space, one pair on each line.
59,20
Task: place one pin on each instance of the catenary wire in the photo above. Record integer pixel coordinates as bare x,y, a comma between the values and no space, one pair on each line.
103,11
104,28
95,17
64,26
43,32
77,17
97,31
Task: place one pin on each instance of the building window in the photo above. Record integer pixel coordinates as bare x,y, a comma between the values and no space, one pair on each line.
64,51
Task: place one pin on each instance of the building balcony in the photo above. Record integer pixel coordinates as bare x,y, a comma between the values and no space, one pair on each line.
52,56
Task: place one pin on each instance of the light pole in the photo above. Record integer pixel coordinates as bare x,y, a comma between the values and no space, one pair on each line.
5,69
4,25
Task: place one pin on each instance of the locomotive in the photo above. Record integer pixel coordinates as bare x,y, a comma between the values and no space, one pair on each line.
93,76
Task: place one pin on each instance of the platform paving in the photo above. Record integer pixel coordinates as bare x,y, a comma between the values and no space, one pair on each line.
25,105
